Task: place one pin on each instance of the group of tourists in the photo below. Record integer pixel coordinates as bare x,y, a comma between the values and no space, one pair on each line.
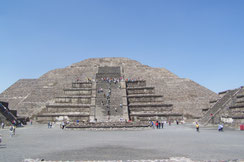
112,80
62,124
157,124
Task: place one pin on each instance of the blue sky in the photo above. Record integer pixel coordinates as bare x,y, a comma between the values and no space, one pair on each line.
202,40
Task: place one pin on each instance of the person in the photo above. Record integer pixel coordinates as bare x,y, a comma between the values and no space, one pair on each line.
177,122
197,127
162,124
157,124
14,128
151,122
0,138
11,131
63,125
3,125
14,122
30,122
220,127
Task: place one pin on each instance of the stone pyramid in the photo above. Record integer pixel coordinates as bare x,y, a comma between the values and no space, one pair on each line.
31,96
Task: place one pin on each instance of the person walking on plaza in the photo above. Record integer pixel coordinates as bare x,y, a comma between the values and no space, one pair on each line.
162,124
157,124
169,122
0,139
220,128
197,127
14,128
2,125
152,125
11,131
63,125
177,122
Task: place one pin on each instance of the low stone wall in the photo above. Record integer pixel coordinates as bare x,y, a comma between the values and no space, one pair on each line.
145,98
74,99
81,85
138,83
78,91
109,125
140,90
58,118
67,109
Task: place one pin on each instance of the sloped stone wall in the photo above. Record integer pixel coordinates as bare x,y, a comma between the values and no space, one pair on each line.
30,96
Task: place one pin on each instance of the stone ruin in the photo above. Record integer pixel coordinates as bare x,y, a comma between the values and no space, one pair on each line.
227,109
144,93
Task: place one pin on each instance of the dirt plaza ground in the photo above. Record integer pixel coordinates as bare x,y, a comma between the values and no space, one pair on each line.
39,142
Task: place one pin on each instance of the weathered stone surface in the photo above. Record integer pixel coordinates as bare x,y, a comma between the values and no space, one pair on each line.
228,109
29,96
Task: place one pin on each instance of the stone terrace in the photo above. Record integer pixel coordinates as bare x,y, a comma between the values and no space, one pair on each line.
145,105
74,105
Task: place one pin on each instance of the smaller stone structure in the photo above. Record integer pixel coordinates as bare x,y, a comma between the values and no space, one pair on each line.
227,109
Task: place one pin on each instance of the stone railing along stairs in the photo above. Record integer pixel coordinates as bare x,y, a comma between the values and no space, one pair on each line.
222,103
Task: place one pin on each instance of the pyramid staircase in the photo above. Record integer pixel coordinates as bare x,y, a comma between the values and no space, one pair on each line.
109,102
7,114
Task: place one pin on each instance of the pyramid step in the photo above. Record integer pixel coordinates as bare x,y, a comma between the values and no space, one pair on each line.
65,114
82,84
135,83
73,99
155,104
78,91
140,90
64,105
